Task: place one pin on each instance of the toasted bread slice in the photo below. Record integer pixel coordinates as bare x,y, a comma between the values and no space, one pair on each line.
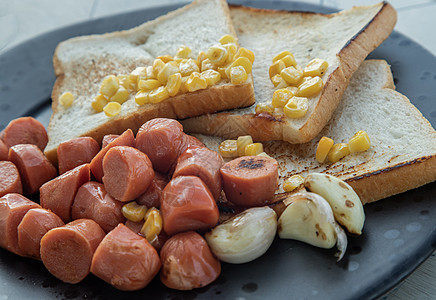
402,155
81,63
343,39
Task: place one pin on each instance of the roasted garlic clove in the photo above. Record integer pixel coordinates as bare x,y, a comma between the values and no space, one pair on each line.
244,237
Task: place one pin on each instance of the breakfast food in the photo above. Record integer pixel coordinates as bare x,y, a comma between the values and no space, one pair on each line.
10,181
75,152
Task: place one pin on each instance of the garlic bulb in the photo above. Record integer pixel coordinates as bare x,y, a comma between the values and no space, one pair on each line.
244,237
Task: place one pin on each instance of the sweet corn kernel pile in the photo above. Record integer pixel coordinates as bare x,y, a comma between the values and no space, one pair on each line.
172,75
152,219
294,85
327,149
243,146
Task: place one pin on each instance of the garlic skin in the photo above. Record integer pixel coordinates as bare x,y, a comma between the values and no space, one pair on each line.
244,237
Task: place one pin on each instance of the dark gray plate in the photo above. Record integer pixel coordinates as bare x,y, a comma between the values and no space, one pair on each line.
399,232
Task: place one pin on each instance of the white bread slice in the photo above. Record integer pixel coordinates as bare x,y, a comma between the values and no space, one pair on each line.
81,63
343,39
403,143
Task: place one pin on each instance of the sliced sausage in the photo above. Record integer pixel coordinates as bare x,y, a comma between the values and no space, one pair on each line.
152,196
3,151
187,204
250,180
58,194
67,251
93,202
13,207
157,243
125,260
76,152
107,139
187,262
161,139
25,130
204,163
125,139
189,140
35,224
127,173
34,168
10,181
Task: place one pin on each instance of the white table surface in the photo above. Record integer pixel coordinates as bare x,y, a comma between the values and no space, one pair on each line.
21,20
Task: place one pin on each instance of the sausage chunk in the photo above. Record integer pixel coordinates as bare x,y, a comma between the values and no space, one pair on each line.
58,194
189,140
187,262
107,139
93,202
13,207
25,130
10,181
250,180
125,260
204,163
76,152
67,251
153,195
34,168
35,224
187,204
3,151
127,173
161,139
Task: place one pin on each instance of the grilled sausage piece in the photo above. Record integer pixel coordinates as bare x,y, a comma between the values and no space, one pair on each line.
250,180
67,251
187,262
127,173
76,152
25,130
107,139
3,151
125,260
187,204
93,202
10,181
125,139
35,224
34,168
58,194
152,196
189,140
161,139
204,163
13,207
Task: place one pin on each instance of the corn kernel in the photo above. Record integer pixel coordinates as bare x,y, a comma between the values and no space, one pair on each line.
66,99
168,69
242,142
264,108
165,58
228,149
183,52
276,68
359,142
98,103
134,75
291,75
264,155
134,212
240,61
316,67
211,76
149,73
222,71
158,95
276,79
174,83
206,64
281,97
112,109
217,55
188,66
292,183
281,55
126,82
242,52
158,65
296,107
109,86
152,225
338,151
228,39
323,148
141,98
195,82
310,87
238,75
231,50
253,149
289,60
148,85
292,89
282,84
120,96
183,88
201,56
